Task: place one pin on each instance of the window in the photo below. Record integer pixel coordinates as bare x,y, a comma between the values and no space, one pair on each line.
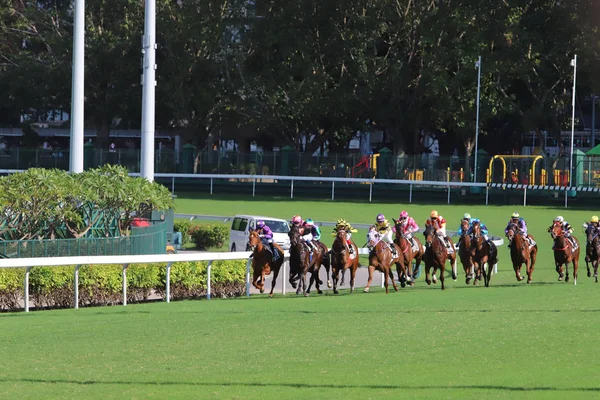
239,224
243,224
278,226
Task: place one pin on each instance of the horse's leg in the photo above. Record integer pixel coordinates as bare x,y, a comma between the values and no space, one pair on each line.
366,289
275,275
490,268
343,277
575,268
392,278
353,275
427,276
595,265
401,274
262,280
334,276
453,261
255,276
442,272
531,264
567,271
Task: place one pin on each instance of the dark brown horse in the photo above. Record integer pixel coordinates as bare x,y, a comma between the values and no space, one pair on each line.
564,252
409,253
262,262
381,259
302,262
464,251
436,256
483,252
325,262
341,259
521,252
592,250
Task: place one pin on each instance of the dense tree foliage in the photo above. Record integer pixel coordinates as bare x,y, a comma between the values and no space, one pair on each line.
277,71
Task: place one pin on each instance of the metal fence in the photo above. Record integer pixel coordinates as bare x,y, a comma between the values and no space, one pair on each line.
149,240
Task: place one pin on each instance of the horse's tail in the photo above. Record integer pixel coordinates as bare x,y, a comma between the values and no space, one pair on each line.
493,252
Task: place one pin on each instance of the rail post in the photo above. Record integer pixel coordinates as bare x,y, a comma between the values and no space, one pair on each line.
125,284
248,263
26,289
76,285
208,270
168,283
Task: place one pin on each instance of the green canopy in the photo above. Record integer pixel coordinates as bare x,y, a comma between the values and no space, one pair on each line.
594,152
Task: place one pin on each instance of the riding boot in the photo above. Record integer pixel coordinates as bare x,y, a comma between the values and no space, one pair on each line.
275,254
350,248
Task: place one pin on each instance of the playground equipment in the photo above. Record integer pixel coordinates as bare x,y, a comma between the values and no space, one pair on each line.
528,164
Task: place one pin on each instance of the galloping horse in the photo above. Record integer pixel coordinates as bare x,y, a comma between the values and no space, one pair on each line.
341,260
564,253
262,262
381,259
464,251
436,256
302,262
409,254
521,252
323,261
483,251
592,253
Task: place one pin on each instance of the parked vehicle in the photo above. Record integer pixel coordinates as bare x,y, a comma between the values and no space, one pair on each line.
243,224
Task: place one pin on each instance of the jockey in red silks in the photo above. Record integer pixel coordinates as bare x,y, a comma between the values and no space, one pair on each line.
439,224
408,227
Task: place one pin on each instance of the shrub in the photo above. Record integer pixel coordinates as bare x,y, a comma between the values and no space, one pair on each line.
142,279
11,288
206,236
184,227
52,286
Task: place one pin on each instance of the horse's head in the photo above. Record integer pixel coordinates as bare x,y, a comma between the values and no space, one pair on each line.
373,237
398,226
429,234
253,240
555,230
591,232
464,227
477,236
295,235
341,235
511,231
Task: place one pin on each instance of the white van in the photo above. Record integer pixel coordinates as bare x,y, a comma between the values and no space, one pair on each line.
243,224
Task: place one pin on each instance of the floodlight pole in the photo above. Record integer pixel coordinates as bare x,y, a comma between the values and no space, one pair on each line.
478,66
77,92
148,91
574,65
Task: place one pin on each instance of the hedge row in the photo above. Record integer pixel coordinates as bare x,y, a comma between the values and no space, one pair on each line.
204,236
100,285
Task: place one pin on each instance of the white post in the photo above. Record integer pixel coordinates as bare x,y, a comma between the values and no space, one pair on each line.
525,197
332,189
410,193
248,264
284,279
125,284
448,194
478,66
370,191
148,90
574,65
77,89
292,191
211,185
487,194
168,283
26,289
173,185
382,280
253,187
208,268
76,285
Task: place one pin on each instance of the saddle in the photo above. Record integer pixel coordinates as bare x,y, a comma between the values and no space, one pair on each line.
449,247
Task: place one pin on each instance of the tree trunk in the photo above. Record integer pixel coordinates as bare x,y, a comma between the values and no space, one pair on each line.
102,133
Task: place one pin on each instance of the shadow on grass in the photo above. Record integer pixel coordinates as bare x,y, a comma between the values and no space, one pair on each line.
308,386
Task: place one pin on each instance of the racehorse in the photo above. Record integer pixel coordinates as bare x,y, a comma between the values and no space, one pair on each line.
564,253
381,259
302,262
341,259
409,254
324,261
436,256
483,252
262,262
592,253
464,251
521,252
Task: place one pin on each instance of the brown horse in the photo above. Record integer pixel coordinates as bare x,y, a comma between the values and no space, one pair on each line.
262,262
521,252
341,259
436,256
592,250
483,252
302,262
324,261
381,259
408,252
464,251
564,253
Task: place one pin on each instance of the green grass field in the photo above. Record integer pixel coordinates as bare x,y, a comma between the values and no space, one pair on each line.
511,340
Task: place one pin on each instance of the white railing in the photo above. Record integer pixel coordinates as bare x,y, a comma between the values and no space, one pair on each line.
126,260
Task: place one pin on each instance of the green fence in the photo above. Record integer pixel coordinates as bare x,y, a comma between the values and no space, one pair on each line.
150,240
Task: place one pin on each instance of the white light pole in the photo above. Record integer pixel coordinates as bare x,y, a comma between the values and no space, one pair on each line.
148,91
574,65
77,93
478,66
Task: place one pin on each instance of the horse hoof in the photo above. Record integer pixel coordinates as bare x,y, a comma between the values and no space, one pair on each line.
412,284
428,281
403,284
366,290
270,295
467,281
396,288
520,278
528,281
560,278
306,294
589,274
335,292
453,277
567,279
320,291
262,291
329,285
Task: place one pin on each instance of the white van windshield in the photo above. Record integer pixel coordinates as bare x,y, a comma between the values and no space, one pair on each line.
278,226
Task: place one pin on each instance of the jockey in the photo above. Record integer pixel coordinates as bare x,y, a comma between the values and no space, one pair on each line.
484,229
459,231
439,223
311,232
297,221
567,228
408,226
521,224
343,225
266,236
593,223
385,232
